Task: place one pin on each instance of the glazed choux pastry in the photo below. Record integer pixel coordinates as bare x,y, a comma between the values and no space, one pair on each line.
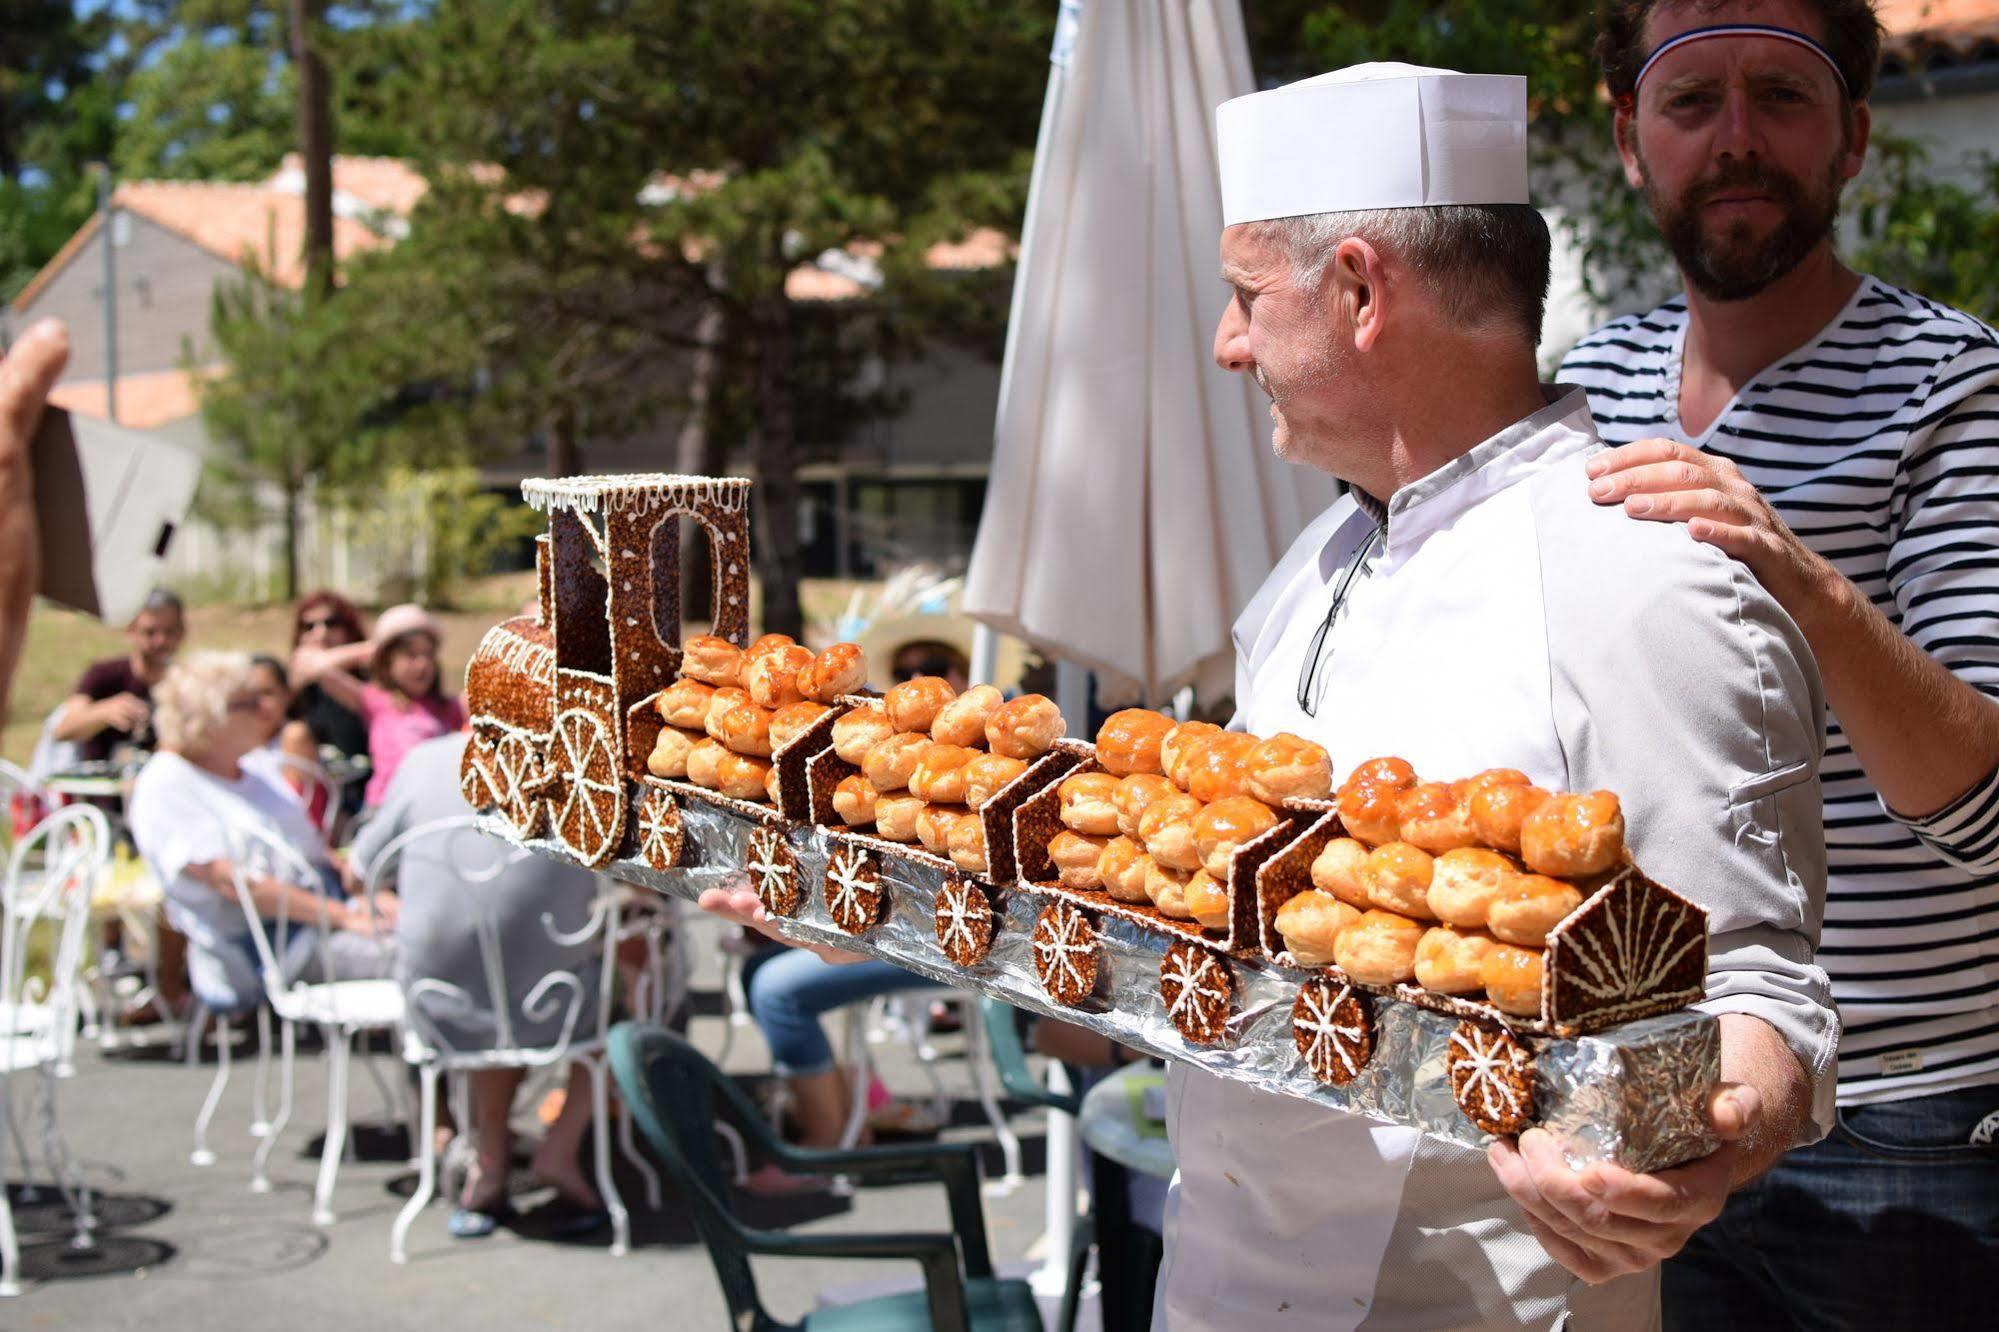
989,774
1477,782
1135,794
1025,728
854,801
742,776
685,703
1529,906
935,825
1572,836
859,731
712,660
1497,811
724,698
1217,767
669,753
1121,869
1338,870
1168,832
772,678
1168,890
1226,825
1176,744
1288,767
1512,978
772,784
940,774
895,815
792,721
1464,882
704,763
963,720
745,729
1448,960
767,643
1076,855
1379,948
840,669
1207,900
914,704
968,845
1397,877
1128,741
1434,819
890,763
1089,803
1370,798
1310,924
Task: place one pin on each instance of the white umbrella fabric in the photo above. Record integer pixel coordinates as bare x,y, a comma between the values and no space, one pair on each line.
1134,504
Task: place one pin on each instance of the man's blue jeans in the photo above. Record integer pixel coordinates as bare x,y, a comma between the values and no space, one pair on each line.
1892,1222
790,988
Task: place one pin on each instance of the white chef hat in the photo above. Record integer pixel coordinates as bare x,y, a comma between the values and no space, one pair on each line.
1384,135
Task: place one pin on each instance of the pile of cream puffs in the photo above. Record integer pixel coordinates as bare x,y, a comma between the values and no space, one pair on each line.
930,758
1452,885
1173,803
732,708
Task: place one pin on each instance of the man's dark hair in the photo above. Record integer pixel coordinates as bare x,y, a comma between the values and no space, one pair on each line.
1848,29
1487,264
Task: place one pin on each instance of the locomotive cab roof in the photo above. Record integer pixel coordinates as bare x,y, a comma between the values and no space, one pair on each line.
594,494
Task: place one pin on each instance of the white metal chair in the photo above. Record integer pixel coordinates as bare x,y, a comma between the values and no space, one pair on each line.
473,858
341,1009
869,1023
50,873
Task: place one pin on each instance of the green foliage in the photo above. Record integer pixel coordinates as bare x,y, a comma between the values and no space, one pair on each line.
435,529
1926,233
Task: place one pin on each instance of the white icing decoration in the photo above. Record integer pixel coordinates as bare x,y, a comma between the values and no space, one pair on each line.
850,888
1493,1061
658,831
1325,1030
1195,972
581,734
517,653
771,870
1635,953
639,492
1057,944
961,919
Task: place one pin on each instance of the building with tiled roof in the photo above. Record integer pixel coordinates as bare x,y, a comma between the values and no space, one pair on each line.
1940,80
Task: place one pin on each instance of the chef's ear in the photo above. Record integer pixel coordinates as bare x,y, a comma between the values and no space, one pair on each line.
1355,277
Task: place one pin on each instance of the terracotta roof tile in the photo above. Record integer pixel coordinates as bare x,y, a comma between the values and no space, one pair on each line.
1924,33
145,401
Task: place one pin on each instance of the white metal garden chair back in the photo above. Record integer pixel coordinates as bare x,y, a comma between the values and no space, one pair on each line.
341,1008
50,874
458,849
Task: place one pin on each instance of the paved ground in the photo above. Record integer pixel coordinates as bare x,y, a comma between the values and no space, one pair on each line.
194,1248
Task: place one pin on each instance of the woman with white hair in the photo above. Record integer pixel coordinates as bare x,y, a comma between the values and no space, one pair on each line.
209,712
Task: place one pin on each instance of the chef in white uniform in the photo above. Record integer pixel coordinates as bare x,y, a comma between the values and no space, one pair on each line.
1465,606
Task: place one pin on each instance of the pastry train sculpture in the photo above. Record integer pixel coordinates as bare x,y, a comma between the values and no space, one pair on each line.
1481,930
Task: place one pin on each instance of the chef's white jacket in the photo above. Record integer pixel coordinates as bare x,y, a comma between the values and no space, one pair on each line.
1496,617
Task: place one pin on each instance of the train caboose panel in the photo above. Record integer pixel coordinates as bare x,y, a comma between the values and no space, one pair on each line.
562,703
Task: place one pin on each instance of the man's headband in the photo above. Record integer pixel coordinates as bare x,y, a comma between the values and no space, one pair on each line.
1672,44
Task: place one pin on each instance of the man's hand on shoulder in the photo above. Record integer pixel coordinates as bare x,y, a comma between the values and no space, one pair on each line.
1661,480
1604,1221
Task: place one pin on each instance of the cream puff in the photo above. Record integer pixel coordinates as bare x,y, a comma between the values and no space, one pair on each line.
1128,741
1025,728
1089,803
891,762
989,774
1223,827
1512,976
1135,794
1288,767
1338,870
1379,948
1121,869
914,704
1448,960
936,823
859,731
745,729
1207,900
1464,882
1498,811
940,774
1076,856
895,815
712,660
1434,819
1572,836
669,753
704,763
1176,747
1168,832
1310,924
854,801
839,670
963,720
1167,888
742,776
1217,767
720,702
685,703
772,676
793,720
1397,877
1529,907
968,845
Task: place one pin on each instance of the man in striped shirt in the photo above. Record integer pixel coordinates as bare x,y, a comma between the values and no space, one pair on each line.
1841,438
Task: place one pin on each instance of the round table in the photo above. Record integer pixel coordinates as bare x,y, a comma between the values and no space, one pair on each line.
1123,1138
1114,1123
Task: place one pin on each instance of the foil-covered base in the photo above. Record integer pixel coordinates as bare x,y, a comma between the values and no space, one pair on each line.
1636,1095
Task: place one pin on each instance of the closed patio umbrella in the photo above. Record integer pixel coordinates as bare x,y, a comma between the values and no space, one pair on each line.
1134,504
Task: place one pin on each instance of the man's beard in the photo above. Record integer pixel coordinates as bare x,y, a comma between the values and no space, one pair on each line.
1732,266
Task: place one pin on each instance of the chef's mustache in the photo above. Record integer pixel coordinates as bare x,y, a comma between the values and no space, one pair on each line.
1746,174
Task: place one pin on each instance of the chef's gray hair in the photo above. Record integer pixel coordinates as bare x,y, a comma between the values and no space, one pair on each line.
1485,263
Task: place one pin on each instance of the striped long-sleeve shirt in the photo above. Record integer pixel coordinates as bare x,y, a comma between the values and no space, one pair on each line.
1878,443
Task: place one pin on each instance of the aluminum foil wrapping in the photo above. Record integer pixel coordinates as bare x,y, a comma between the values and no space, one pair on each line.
1636,1094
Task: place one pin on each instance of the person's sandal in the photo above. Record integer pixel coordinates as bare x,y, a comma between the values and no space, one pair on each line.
477,1223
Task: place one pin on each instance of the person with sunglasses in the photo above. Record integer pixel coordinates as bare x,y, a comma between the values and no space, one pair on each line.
324,620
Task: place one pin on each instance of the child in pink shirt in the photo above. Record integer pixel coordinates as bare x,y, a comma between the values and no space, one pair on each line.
405,704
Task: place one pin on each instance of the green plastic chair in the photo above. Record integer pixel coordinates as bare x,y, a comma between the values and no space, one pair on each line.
673,1093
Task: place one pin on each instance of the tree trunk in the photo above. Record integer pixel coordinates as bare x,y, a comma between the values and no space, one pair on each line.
700,450
293,519
774,449
565,453
315,142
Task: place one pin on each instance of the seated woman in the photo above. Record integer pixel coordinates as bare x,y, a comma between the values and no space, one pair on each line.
404,702
790,989
209,714
447,884
286,753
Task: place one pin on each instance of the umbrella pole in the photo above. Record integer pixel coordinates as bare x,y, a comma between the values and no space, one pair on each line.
985,654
